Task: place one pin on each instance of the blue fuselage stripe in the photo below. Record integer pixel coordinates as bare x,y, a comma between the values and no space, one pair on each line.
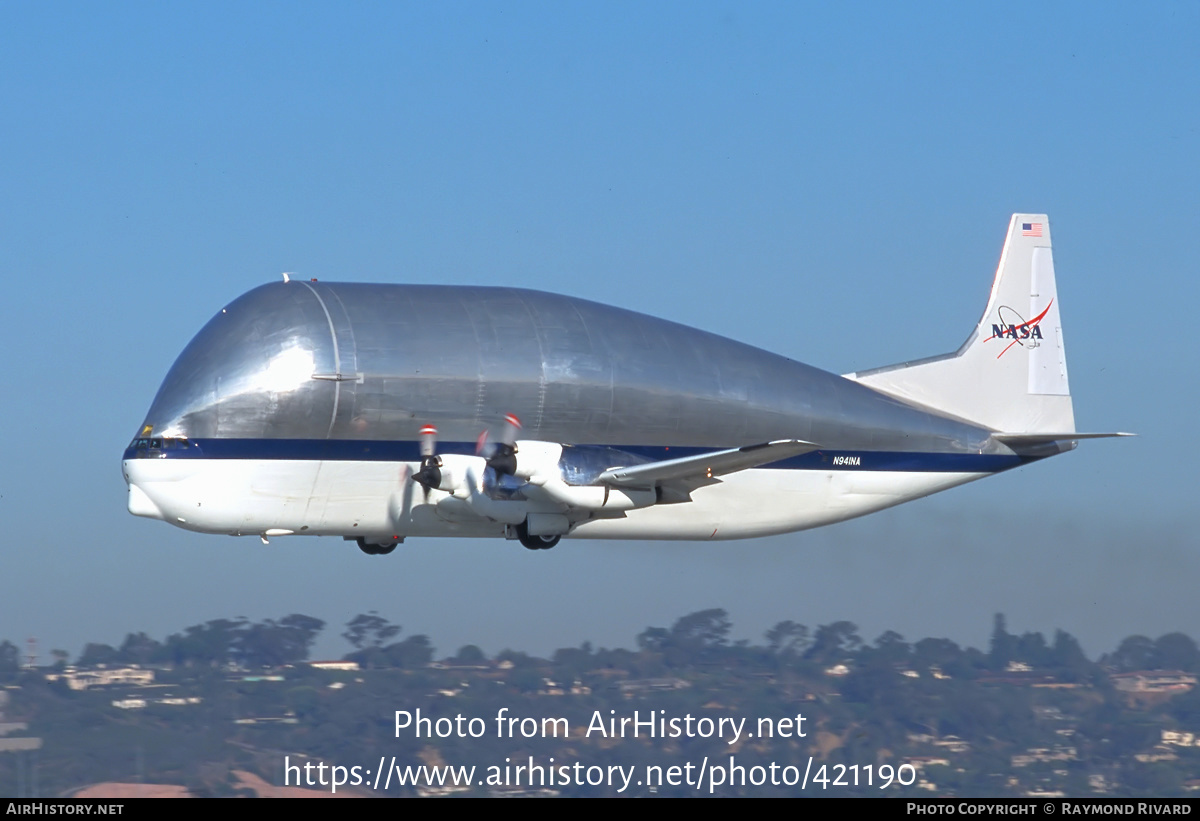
351,450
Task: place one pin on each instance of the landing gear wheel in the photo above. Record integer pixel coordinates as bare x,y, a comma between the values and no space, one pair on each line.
535,542
375,549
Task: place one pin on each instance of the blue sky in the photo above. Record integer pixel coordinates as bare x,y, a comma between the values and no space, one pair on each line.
830,182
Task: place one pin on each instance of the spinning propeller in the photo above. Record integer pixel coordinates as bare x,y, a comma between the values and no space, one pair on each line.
430,474
501,455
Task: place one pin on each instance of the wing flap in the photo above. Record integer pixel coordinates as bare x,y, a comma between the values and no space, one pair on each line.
705,465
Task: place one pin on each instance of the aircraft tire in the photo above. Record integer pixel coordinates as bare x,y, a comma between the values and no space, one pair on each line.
535,542
375,549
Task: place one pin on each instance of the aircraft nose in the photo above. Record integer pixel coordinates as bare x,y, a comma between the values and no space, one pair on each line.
142,505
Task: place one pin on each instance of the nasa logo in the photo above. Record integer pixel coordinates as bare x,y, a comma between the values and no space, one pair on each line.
1013,326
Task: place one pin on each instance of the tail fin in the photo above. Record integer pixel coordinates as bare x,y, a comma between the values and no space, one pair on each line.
1011,373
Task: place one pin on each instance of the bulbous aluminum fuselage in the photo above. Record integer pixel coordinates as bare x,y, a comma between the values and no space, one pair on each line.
322,361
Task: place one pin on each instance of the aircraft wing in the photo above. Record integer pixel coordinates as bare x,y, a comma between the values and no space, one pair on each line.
704,465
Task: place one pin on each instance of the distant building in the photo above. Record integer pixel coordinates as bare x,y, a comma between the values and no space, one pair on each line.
142,703
1157,753
347,666
10,744
1178,738
104,677
1154,681
650,685
1044,754
953,743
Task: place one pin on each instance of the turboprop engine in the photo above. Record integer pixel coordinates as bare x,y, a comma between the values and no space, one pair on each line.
538,490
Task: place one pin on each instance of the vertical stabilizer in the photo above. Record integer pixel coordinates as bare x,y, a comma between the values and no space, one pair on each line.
1011,373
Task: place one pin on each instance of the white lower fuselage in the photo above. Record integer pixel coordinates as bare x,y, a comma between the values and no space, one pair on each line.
373,500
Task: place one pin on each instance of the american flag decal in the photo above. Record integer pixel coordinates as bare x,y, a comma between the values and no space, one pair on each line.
1031,229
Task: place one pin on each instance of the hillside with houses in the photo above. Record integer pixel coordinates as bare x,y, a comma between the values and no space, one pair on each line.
226,707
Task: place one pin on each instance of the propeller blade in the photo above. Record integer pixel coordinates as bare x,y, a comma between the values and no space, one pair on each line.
503,459
430,474
428,441
512,426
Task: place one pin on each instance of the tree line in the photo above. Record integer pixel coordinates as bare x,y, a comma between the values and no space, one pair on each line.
702,637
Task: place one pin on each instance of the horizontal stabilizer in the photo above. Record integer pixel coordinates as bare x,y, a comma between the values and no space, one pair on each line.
1016,440
705,465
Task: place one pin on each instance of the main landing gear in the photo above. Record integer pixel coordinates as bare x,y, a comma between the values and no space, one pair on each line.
375,549
535,542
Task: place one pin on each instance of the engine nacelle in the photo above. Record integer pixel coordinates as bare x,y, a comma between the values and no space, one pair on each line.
536,459
545,465
539,464
458,472
595,498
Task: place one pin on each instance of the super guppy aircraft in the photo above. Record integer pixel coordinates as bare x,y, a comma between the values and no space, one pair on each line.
380,412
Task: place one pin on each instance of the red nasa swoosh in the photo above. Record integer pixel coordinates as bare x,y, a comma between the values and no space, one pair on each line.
1028,324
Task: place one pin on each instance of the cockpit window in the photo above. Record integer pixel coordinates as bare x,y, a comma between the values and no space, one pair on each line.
157,444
